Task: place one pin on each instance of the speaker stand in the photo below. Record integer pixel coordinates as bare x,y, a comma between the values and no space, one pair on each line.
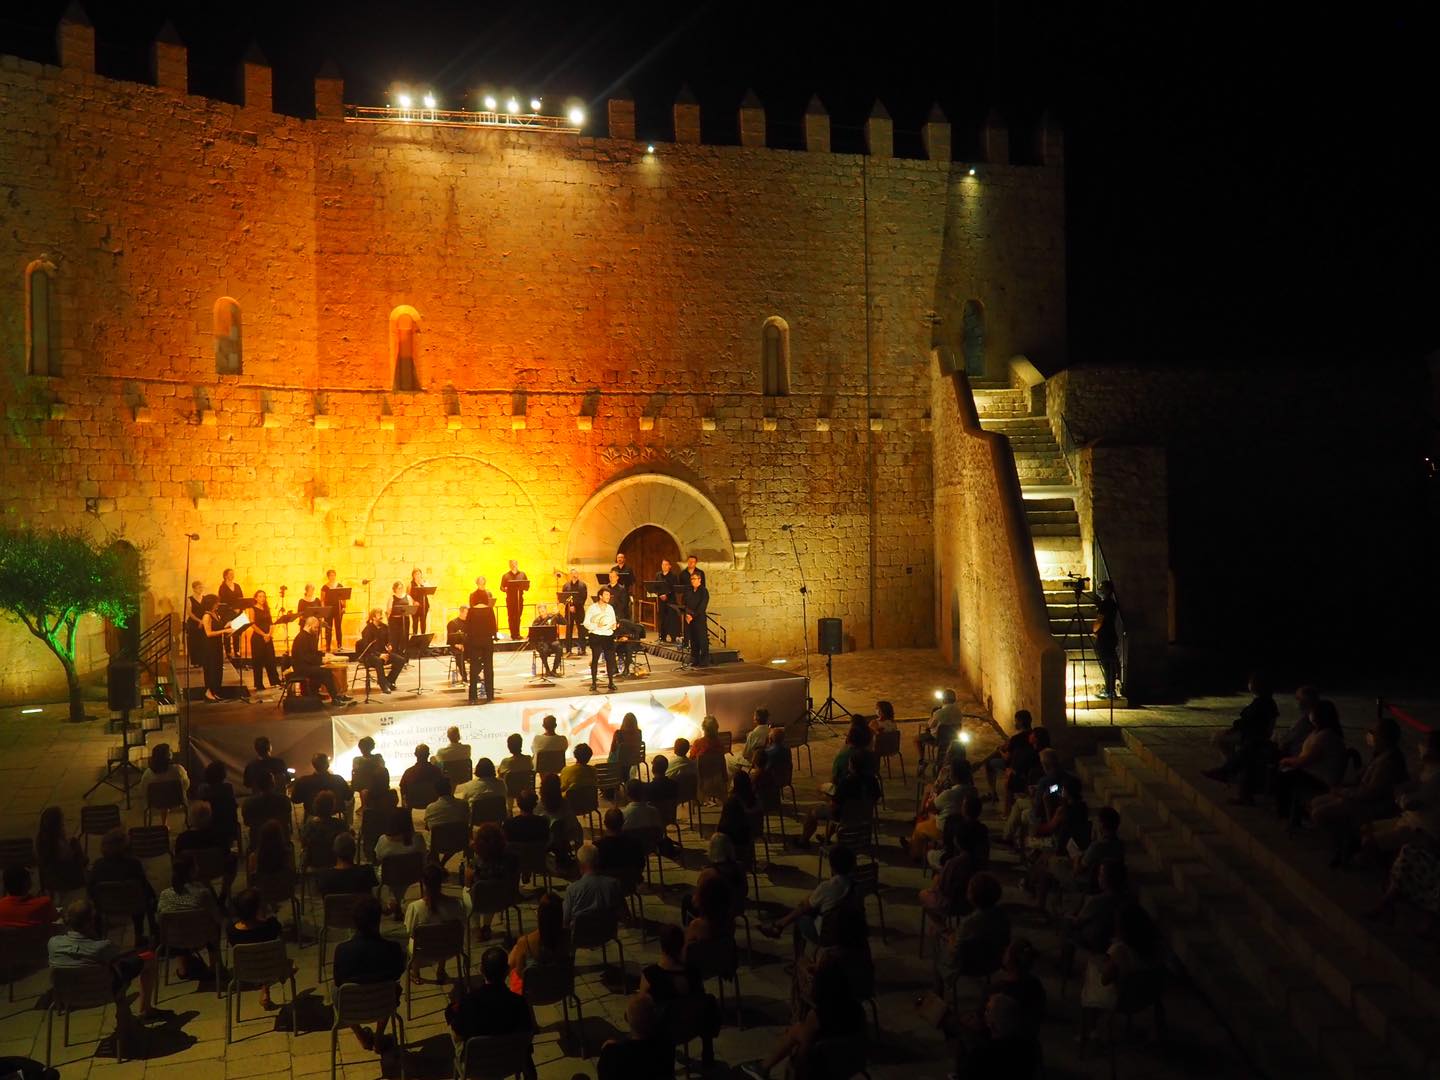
830,712
118,775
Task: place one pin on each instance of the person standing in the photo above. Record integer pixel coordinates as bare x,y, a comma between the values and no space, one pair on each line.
1107,636
337,609
480,630
400,606
625,574
691,569
697,631
308,600
194,623
262,642
514,583
668,600
575,592
619,596
212,660
420,611
600,626
232,602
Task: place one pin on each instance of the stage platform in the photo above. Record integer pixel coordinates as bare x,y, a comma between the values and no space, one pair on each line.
669,703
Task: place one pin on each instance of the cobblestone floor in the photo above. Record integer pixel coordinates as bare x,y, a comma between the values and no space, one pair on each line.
45,761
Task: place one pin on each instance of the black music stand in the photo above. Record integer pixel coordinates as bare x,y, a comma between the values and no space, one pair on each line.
341,593
541,634
603,580
418,645
360,659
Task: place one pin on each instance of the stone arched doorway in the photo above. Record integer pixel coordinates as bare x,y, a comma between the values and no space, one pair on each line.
620,508
643,550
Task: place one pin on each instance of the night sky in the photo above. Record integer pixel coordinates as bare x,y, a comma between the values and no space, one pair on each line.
1248,183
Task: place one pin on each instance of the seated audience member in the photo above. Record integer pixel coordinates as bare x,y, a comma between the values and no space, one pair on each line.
709,741
419,781
857,741
1070,871
431,909
446,809
1013,761
76,948
491,1008
400,839
638,812
964,833
270,853
1002,1046
454,749
489,860
646,1051
59,857
1246,743
202,835
1414,879
322,826
547,741
720,864
548,943
1318,767
836,1015
616,852
265,762
187,894
756,737
625,743
1135,947
162,769
215,789
565,833
661,788
859,785
248,927
966,852
266,804
518,762
1343,811
580,773
1419,802
1092,926
673,984
345,876
306,788
930,828
945,715
368,957
1306,698
808,917
485,785
18,907
1016,978
848,948
977,945
592,891
883,721
713,911
117,864
737,813
367,766
1038,805
680,761
526,826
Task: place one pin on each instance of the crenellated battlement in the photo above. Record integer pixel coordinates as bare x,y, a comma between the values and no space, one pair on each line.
169,64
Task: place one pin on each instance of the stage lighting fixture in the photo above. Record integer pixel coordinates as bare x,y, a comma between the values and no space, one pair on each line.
964,737
779,660
404,100
512,106
939,695
577,116
31,711
534,104
650,149
489,103
430,101
972,172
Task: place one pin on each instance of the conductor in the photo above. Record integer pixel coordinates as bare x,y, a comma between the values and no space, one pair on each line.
480,631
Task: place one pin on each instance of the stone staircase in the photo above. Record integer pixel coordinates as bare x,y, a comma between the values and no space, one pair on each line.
1306,986
1049,492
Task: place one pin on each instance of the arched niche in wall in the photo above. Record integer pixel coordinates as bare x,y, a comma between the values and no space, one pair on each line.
684,511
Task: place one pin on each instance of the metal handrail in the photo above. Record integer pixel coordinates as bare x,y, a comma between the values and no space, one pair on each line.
156,641
1101,571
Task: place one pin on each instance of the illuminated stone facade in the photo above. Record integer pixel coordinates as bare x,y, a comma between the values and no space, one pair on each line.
579,313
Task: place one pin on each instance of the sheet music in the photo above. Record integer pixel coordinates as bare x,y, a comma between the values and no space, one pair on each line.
239,622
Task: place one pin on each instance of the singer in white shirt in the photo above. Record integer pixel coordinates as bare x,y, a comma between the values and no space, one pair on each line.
600,624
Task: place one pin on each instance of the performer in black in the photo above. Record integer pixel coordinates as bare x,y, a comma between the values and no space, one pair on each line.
400,607
691,569
373,649
1107,636
619,596
575,591
262,642
480,630
332,624
669,601
513,584
600,624
627,576
697,602
420,611
306,602
455,638
212,660
548,651
309,664
194,623
232,602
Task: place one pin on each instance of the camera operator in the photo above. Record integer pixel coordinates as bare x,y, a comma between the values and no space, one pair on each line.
1107,636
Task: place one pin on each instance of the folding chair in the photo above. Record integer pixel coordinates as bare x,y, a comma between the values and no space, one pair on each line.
489,808
887,746
150,842
279,888
595,930
718,958
629,880
17,851
117,900
496,896
338,914
867,883
163,796
458,771
365,1003
687,786
261,964
585,800
188,931
448,839
784,772
553,983
712,776
667,809
91,987
649,841
24,951
399,872
495,1057
434,943
97,821
549,761
797,737
534,860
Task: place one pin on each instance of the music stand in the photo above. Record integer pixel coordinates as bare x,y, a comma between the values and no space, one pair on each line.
541,634
627,578
415,649
602,581
360,659
342,594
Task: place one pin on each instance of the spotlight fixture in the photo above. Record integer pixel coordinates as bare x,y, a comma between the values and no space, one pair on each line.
31,711
649,148
964,736
939,695
779,660
512,106
534,104
489,103
577,116
972,170
430,101
404,100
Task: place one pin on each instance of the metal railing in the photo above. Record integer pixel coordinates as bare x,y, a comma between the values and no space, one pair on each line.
152,651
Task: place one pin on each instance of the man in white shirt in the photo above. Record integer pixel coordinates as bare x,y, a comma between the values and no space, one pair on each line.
600,626
446,808
947,715
548,740
639,814
809,915
454,749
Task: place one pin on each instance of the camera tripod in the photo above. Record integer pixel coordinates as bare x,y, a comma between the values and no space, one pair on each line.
1078,629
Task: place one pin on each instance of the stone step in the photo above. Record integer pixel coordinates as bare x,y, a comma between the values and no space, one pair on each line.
1029,423
1042,529
1374,1012
1050,504
991,383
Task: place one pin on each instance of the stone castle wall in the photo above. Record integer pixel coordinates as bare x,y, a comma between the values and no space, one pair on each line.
587,313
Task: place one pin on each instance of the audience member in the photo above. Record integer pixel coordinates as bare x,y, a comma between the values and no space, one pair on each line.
547,741
485,785
930,828
1246,743
661,789
1419,802
680,761
977,945
626,744
162,769
367,766
433,908
18,907
836,1014
1091,927
860,785
565,834
321,828
265,762
548,943
593,891
580,773
857,741
883,722
489,860
808,917
305,789
1015,760
721,865
454,749
677,988
446,809
76,948
526,826
645,1052
847,948
248,927
202,835
518,762
966,853
491,1008
117,864
616,853
1002,1046
266,804
1016,978
709,741
418,782
187,894
270,852
1306,698
400,839
713,911
367,957
1069,870
1343,811
215,789
1134,948
1318,767
945,715
638,812
59,856
345,876
738,812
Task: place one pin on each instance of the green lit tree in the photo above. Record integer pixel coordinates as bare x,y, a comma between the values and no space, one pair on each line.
49,578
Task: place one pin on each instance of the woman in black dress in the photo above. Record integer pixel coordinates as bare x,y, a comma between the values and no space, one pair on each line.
194,628
421,611
232,600
211,658
308,601
262,642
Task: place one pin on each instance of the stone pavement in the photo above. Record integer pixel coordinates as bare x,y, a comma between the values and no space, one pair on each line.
45,761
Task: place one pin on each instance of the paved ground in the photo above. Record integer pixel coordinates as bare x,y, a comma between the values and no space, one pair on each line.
45,761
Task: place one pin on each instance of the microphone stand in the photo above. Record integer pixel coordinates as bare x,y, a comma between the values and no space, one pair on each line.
183,721
361,661
804,625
